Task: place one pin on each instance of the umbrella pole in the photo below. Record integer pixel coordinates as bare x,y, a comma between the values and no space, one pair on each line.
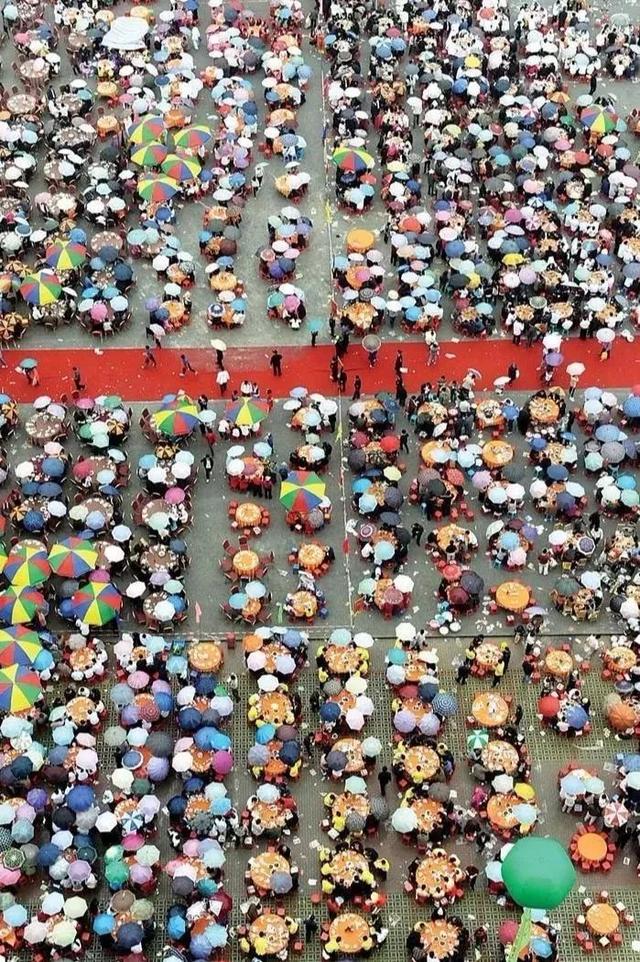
523,936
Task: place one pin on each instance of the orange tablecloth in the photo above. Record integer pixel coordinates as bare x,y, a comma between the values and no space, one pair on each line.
304,604
351,932
353,750
346,866
273,930
499,756
205,656
602,919
248,514
246,562
558,662
497,453
592,846
438,874
512,596
490,709
346,803
311,556
262,867
275,707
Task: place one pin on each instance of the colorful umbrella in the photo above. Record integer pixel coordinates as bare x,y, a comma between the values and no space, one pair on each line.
18,606
176,422
180,168
41,288
96,603
193,137
19,689
601,120
157,189
246,412
477,739
146,130
27,564
149,155
18,646
349,158
65,255
72,557
302,491
3,556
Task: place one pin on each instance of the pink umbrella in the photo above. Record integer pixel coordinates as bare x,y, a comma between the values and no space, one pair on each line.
291,302
132,842
141,873
527,275
99,311
513,216
222,763
481,480
174,496
138,680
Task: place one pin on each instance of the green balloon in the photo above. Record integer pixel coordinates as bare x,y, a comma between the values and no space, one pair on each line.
538,873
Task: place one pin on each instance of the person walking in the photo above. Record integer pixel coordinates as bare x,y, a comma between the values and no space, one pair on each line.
357,388
276,362
207,464
384,777
76,377
417,530
310,927
149,359
404,441
342,380
373,358
219,358
222,380
186,365
398,364
232,684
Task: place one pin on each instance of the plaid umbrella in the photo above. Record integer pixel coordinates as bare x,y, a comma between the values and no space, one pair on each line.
477,739
18,606
302,491
65,255
27,564
193,137
72,557
246,412
19,689
41,288
96,603
146,130
18,646
157,189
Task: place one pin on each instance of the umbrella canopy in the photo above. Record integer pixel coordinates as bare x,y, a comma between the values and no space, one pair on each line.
27,564
19,646
65,255
96,603
72,557
157,189
176,422
348,158
18,606
20,689
302,491
246,412
192,137
41,288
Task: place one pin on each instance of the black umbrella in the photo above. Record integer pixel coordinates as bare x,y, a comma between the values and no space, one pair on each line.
390,519
436,487
403,536
336,761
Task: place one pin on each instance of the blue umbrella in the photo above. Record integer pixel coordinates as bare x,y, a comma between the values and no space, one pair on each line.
557,472
626,482
607,432
265,734
576,717
537,443
330,711
445,704
631,406
80,798
509,540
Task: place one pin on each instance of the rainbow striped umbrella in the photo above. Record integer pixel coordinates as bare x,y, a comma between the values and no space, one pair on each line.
176,422
27,564
601,120
41,288
149,155
193,137
19,606
97,603
180,168
19,646
146,130
20,689
302,491
157,189
350,158
65,255
246,412
72,557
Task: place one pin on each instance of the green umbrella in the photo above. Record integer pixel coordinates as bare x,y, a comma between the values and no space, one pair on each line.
477,739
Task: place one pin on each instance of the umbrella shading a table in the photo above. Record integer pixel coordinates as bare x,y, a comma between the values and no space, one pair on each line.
302,491
20,689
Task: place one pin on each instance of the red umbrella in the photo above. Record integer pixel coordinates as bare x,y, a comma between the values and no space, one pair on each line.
455,476
548,706
390,443
451,572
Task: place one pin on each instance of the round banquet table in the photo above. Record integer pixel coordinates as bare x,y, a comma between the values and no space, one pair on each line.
352,748
490,709
304,604
387,595
429,813
602,919
262,867
427,451
342,660
273,929
96,464
20,104
248,514
350,932
440,937
421,763
311,556
345,700
619,659
270,815
488,656
544,410
246,562
446,534
82,659
275,708
438,875
591,847
500,811
158,557
205,656
44,427
500,756
496,454
512,596
80,709
346,803
558,663
346,866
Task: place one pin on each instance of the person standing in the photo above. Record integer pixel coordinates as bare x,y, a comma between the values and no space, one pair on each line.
373,358
384,777
207,464
186,365
310,927
398,364
149,359
404,441
76,377
357,388
222,380
342,379
417,530
276,362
